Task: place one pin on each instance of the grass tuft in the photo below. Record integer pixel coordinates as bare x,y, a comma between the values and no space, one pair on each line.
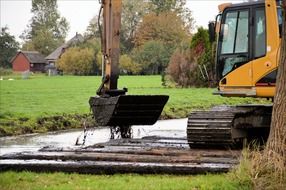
258,170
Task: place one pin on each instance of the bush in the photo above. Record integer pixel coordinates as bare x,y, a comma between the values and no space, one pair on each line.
153,56
94,44
202,48
77,61
4,71
128,66
258,172
183,69
188,66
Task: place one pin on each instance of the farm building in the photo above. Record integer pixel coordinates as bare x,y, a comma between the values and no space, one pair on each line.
28,61
55,55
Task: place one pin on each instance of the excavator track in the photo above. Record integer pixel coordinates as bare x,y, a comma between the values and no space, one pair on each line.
226,126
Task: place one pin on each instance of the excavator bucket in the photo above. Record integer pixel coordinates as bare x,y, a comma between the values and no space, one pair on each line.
127,110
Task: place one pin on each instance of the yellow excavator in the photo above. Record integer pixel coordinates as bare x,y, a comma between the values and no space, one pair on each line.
248,38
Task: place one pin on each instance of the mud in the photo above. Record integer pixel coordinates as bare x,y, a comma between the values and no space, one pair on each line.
63,139
161,148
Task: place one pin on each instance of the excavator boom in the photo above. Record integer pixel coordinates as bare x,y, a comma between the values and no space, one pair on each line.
110,41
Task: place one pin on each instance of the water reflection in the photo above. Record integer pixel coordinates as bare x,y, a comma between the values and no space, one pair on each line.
166,128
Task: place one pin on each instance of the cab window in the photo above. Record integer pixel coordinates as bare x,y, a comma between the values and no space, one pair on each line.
234,41
259,33
229,28
235,33
280,16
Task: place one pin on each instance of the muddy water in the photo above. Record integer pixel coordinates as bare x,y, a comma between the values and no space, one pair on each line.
166,128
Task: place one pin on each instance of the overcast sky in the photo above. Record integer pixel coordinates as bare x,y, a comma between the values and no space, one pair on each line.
16,13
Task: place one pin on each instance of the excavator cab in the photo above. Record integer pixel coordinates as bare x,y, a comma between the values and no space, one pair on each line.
112,106
248,41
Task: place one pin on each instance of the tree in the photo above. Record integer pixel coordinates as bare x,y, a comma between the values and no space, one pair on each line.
201,48
128,66
276,144
132,14
8,47
28,46
176,6
153,56
200,42
47,29
167,27
78,61
92,30
159,6
95,46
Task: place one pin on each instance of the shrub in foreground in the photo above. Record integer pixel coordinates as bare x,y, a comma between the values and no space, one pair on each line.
258,172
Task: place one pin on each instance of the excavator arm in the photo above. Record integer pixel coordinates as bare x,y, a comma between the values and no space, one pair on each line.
112,106
110,47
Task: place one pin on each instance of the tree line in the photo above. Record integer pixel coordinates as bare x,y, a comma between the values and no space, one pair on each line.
156,38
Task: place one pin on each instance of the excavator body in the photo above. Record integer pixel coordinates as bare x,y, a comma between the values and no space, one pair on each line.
248,37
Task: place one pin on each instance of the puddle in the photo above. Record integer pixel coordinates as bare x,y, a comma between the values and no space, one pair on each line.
24,143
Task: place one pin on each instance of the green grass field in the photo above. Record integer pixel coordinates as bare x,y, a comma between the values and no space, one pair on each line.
61,181
69,94
24,103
